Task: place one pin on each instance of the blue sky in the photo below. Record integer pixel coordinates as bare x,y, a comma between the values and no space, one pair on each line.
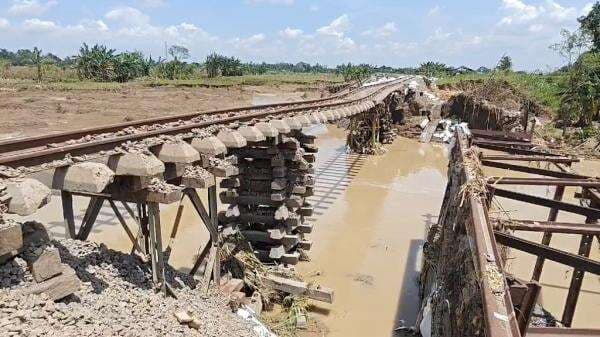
391,32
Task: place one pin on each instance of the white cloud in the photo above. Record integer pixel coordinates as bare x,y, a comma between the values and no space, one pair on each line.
587,9
128,16
30,7
271,2
290,33
548,12
315,8
434,11
384,31
4,23
152,3
337,27
37,25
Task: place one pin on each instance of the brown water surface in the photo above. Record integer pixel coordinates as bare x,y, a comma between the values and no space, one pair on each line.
371,214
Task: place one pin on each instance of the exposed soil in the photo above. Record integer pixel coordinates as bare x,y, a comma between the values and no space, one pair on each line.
39,111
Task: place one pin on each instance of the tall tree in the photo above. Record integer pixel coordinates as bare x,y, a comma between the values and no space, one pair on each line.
590,26
505,63
571,45
179,52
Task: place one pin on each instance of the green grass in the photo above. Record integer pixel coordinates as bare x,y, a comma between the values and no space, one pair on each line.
257,80
543,88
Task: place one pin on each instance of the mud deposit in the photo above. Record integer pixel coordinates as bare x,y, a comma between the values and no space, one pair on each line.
371,214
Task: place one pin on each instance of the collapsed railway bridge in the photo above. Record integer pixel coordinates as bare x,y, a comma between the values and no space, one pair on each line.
260,160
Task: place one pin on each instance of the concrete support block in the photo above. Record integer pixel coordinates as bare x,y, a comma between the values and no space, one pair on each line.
293,123
232,139
251,133
304,121
136,164
83,177
57,287
267,129
45,264
280,125
11,239
320,116
26,196
177,152
211,146
330,116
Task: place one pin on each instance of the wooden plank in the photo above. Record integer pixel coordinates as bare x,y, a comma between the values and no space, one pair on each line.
298,288
429,130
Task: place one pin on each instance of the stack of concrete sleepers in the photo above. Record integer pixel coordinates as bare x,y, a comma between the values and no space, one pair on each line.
267,199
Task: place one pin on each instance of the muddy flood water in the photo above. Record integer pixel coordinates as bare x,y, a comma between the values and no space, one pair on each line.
371,215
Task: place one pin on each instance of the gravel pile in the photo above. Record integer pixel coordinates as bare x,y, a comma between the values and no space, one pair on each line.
116,299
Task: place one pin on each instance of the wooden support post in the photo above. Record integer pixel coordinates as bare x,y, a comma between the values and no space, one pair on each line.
213,267
552,216
585,247
156,252
123,223
91,214
527,305
68,214
201,256
212,205
174,230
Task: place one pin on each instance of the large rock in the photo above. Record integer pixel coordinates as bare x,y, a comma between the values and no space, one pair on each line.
136,164
210,146
26,196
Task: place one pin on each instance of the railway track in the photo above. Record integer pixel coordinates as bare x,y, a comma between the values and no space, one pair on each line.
39,150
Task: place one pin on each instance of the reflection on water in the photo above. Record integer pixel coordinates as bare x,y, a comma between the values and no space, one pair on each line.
370,218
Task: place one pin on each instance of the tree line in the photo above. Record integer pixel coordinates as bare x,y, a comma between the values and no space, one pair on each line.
580,94
103,64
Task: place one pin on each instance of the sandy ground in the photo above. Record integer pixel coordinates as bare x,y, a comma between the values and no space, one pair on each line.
32,112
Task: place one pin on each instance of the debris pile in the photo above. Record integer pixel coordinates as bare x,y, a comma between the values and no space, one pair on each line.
26,250
492,105
368,131
267,199
116,298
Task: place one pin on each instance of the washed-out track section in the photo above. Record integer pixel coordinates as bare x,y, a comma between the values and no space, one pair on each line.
463,266
135,167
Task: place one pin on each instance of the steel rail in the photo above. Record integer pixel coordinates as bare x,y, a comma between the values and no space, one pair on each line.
45,155
42,140
499,315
